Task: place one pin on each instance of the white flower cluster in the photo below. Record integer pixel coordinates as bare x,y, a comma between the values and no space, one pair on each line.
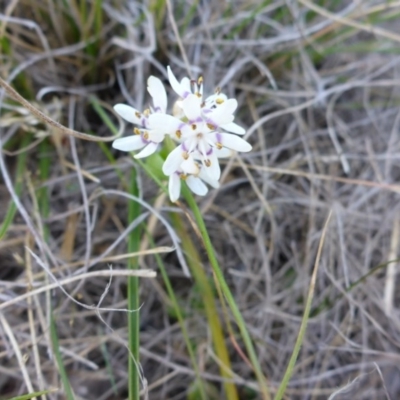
204,129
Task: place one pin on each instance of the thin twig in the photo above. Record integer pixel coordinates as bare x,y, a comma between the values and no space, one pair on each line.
47,120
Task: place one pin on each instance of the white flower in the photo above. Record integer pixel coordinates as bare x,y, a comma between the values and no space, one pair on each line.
203,127
194,182
201,136
148,137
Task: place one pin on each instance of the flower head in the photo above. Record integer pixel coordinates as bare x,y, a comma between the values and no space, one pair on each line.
203,127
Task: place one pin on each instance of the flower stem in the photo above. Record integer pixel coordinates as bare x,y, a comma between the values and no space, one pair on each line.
220,280
207,292
179,315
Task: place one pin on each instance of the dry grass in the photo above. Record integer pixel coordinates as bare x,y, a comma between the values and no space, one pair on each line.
319,93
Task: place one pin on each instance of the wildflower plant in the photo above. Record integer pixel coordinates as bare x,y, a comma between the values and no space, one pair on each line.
203,129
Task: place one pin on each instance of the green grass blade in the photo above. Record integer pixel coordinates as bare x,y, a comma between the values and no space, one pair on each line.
304,321
133,294
21,168
35,394
63,373
109,369
103,115
44,208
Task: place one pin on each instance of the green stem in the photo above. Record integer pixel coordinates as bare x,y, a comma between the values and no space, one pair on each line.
207,293
177,309
226,291
43,200
133,296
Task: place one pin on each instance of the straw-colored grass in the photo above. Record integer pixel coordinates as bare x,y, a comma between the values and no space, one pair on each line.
96,301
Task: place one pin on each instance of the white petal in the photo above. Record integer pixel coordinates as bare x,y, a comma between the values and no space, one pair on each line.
129,143
205,177
213,169
173,161
177,109
229,106
158,93
233,142
164,123
156,136
196,155
234,128
223,114
189,135
129,113
185,84
203,146
174,187
223,153
196,185
201,89
189,166
178,88
191,107
149,149
192,144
